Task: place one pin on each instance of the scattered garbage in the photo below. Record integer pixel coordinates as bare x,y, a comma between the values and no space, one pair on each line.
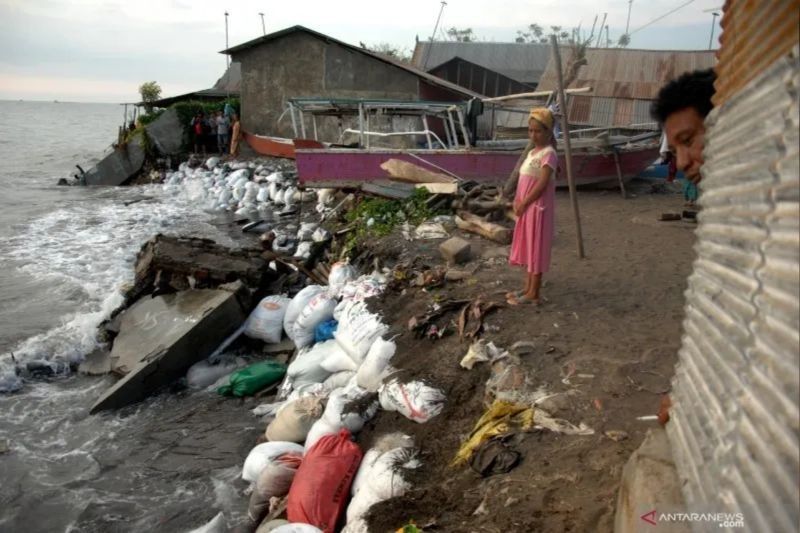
494,457
263,454
479,352
500,418
295,419
472,315
266,320
250,380
319,492
414,400
431,230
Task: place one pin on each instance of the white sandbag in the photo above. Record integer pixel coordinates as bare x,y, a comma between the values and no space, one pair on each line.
320,235
306,231
341,273
360,480
272,190
297,528
273,482
266,320
321,428
265,453
212,162
380,477
318,309
338,379
263,195
374,368
295,419
357,330
303,251
272,525
414,400
274,177
338,361
306,368
325,196
297,306
215,525
362,288
202,374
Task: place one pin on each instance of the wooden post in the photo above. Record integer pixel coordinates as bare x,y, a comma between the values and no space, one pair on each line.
361,125
573,195
619,173
427,131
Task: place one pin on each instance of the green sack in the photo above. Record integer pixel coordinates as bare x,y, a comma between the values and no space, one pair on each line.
250,380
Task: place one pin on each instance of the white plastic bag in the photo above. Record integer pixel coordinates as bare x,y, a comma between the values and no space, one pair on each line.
266,320
320,235
357,330
265,453
297,305
317,310
303,251
202,374
414,400
375,365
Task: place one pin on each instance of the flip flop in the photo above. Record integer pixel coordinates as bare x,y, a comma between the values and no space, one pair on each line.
521,301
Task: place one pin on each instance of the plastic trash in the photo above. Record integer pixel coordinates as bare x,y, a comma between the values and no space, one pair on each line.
325,330
322,484
274,480
414,400
250,380
297,305
265,453
266,320
294,420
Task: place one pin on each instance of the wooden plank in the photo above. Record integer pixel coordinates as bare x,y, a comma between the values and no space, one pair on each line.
439,188
400,170
475,224
389,189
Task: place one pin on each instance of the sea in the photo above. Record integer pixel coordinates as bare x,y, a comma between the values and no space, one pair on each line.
65,253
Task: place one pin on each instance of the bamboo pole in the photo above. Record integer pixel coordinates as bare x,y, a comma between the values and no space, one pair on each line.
573,195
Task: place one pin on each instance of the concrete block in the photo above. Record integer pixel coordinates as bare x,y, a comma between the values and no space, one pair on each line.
650,483
166,132
455,250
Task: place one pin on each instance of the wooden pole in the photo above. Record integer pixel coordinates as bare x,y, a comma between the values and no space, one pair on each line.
573,195
619,173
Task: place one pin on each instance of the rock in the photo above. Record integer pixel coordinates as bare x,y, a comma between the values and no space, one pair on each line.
62,181
455,250
161,337
4,447
96,363
617,435
649,482
523,347
456,275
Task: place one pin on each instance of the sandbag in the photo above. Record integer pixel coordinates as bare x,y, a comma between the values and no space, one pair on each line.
250,380
297,305
265,453
336,418
338,379
375,365
266,320
298,528
318,309
338,360
273,481
202,374
306,368
319,492
380,479
357,330
414,400
295,419
341,273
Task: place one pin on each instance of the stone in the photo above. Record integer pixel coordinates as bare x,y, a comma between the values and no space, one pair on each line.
455,250
161,337
649,486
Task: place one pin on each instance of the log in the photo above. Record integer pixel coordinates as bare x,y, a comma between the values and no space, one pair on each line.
439,188
400,170
474,224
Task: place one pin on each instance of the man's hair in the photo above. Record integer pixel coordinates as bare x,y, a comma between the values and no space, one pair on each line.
693,89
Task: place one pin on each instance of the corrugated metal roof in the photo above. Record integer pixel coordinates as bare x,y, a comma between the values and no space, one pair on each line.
753,37
523,62
624,73
231,81
430,78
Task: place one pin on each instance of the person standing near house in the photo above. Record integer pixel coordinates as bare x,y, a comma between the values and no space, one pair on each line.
534,206
223,132
681,108
236,135
198,127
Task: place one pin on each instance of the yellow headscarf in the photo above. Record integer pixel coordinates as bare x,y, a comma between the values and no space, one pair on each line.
544,116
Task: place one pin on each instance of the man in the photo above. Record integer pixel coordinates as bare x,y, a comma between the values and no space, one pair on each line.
681,108
223,130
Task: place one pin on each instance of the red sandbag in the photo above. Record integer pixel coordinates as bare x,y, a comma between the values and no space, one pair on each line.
321,486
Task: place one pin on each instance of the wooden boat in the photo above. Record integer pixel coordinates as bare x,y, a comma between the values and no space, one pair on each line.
278,146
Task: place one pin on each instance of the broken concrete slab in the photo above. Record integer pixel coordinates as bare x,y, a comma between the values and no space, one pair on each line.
118,167
455,250
161,337
166,133
649,485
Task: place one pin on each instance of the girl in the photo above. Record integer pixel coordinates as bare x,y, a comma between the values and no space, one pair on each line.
236,135
534,205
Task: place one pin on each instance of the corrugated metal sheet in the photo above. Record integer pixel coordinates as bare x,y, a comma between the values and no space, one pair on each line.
754,35
735,421
231,81
479,79
523,62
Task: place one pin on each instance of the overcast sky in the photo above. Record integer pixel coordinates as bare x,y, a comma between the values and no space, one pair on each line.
101,50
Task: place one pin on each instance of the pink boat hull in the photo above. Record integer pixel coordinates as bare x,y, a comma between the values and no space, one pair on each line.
351,168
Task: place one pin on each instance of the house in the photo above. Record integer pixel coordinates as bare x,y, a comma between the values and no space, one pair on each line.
624,82
522,62
225,87
479,79
298,62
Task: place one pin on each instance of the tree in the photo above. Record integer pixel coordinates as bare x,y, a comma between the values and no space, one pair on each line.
535,34
150,92
462,36
624,40
388,49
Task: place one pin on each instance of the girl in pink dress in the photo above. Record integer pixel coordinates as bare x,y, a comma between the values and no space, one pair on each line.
534,205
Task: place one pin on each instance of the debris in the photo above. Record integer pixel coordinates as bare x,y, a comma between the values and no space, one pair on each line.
494,457
479,352
490,230
523,347
616,435
475,311
647,418
456,275
409,172
414,400
502,417
431,230
420,324
508,380
543,420
455,250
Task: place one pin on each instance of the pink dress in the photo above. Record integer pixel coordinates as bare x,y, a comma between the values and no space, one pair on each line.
533,233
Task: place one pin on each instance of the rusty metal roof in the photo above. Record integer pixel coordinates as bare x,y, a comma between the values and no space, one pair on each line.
522,62
624,73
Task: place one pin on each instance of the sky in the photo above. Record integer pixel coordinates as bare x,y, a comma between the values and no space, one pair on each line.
102,50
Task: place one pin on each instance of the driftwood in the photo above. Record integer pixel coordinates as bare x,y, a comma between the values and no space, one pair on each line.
475,224
400,170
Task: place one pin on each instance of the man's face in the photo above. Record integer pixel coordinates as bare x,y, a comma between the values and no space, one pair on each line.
686,137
